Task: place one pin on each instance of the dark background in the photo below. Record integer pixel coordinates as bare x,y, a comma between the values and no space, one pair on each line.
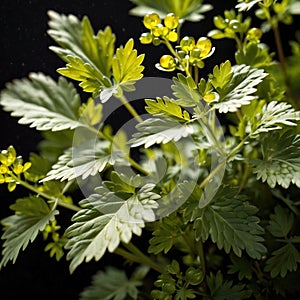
23,49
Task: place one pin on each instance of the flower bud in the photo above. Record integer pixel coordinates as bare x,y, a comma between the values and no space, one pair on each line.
171,21
187,43
146,38
167,61
172,36
204,45
151,20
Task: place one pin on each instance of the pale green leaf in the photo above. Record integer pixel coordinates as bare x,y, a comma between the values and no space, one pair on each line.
281,161
126,65
111,284
105,220
32,216
283,260
159,130
87,159
236,86
42,102
273,116
88,55
246,5
168,107
185,89
191,10
231,223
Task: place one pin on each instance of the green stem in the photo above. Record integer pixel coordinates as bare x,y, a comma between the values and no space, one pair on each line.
44,195
129,107
171,49
221,164
129,159
137,255
202,257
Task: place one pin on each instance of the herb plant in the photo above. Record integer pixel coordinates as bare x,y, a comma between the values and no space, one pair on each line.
199,192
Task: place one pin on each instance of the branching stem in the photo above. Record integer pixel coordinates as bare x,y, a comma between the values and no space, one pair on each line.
45,195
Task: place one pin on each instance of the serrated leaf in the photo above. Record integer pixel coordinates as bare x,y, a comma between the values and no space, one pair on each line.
166,107
225,290
105,220
87,159
88,55
235,86
273,116
185,89
126,65
283,260
90,112
242,266
159,130
190,10
231,223
54,143
111,284
166,233
281,222
32,216
281,161
42,103
246,5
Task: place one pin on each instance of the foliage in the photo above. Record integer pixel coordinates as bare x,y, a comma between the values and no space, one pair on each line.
211,207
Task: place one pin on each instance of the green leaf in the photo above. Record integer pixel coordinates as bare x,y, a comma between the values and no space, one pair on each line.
159,130
40,166
284,260
126,65
32,214
54,143
91,113
88,56
87,159
235,85
281,222
190,10
254,55
281,161
42,103
92,81
105,220
225,290
166,233
166,107
273,116
185,89
231,223
222,75
112,284
242,266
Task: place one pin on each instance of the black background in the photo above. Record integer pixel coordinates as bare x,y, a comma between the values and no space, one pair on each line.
23,49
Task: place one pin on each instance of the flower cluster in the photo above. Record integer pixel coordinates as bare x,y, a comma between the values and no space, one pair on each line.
158,31
11,167
188,53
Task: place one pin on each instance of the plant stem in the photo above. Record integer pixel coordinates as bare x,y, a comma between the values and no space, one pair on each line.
110,139
129,107
171,49
202,257
138,256
44,195
221,164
